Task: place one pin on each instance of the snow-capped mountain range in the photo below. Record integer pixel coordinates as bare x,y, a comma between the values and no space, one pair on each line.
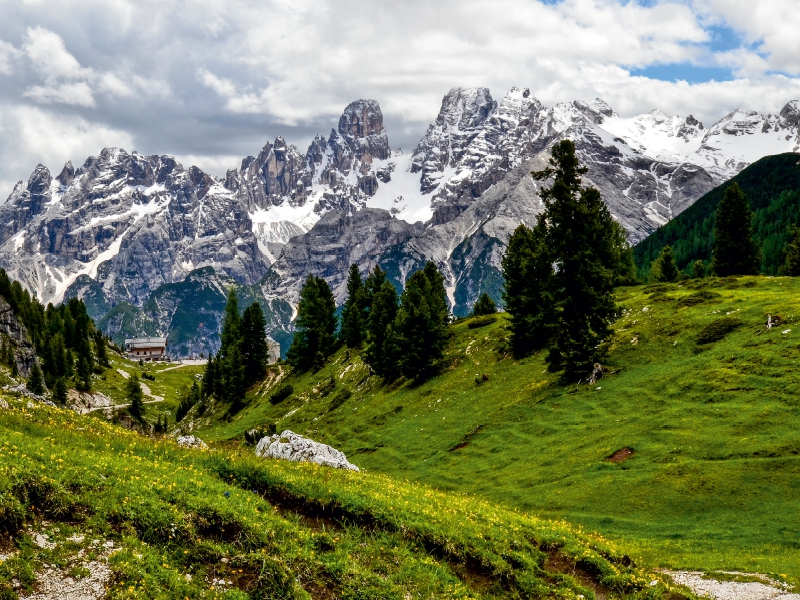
122,226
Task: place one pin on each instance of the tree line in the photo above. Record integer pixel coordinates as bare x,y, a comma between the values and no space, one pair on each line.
403,334
68,345
734,250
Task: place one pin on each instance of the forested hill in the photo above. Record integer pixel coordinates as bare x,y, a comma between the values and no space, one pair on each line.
772,185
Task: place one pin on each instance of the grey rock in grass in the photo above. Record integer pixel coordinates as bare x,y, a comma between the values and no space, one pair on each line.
4,404
290,446
190,441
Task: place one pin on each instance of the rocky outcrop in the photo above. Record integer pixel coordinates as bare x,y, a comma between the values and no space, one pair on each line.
291,446
13,332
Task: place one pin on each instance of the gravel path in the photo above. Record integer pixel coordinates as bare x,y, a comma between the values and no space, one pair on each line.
145,389
733,590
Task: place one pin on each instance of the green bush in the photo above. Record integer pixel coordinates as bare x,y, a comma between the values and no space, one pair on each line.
716,330
281,395
481,322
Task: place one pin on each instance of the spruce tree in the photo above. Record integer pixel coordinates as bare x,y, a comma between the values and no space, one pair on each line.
734,251
791,266
351,332
209,377
380,355
35,380
84,375
581,242
100,349
60,392
421,325
698,269
527,269
484,306
254,343
231,323
664,268
135,397
315,326
235,382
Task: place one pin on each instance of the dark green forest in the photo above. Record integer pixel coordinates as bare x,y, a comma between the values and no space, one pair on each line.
772,185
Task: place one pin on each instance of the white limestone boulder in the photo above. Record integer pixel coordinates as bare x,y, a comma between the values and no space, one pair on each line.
190,441
290,446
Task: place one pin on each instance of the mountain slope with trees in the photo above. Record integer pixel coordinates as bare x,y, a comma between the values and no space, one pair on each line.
771,185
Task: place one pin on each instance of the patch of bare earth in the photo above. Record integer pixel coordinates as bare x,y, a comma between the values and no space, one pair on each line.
621,455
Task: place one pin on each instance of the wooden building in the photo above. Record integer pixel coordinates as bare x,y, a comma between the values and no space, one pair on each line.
149,348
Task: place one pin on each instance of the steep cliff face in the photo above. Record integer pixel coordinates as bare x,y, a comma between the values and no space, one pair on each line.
13,332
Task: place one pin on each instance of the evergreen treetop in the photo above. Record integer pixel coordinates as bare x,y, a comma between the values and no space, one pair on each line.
735,252
791,265
315,325
352,330
484,306
664,268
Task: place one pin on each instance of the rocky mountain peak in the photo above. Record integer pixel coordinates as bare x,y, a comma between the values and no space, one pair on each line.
790,114
461,116
361,125
67,174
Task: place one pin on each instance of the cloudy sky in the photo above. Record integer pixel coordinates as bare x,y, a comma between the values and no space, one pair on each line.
211,80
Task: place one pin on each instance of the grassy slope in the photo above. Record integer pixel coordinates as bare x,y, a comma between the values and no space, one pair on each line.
716,429
271,529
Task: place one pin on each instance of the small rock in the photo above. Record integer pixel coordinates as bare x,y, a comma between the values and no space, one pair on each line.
291,446
4,404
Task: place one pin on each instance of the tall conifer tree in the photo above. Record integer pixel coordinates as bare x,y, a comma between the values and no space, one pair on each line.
254,343
664,267
791,266
352,330
315,326
582,247
381,355
135,397
735,252
527,269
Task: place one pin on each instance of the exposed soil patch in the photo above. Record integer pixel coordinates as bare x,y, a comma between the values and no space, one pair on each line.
621,455
558,563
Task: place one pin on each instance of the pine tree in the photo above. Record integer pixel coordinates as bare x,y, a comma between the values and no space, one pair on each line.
209,377
382,315
231,323
135,397
581,242
698,269
60,392
351,332
484,306
791,266
735,252
235,382
664,268
35,380
84,375
254,343
100,349
421,323
527,269
315,326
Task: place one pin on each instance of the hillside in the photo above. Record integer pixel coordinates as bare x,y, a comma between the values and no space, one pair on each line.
84,503
772,185
710,428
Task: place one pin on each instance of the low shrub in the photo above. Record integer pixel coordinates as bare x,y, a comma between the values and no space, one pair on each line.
281,394
716,330
481,322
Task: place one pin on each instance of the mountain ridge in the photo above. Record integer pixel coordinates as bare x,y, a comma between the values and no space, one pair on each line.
132,223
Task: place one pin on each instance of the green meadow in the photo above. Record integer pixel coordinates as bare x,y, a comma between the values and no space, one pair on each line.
700,398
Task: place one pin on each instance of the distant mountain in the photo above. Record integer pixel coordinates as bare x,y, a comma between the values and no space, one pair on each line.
772,185
122,226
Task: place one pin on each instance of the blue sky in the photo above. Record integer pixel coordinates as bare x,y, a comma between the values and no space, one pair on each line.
211,81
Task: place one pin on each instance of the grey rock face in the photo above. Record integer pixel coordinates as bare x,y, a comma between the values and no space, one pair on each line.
290,446
13,332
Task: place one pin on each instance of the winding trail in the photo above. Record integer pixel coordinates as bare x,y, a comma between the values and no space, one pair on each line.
145,388
765,589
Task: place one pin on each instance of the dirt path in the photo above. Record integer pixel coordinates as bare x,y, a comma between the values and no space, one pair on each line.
765,589
187,363
145,388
